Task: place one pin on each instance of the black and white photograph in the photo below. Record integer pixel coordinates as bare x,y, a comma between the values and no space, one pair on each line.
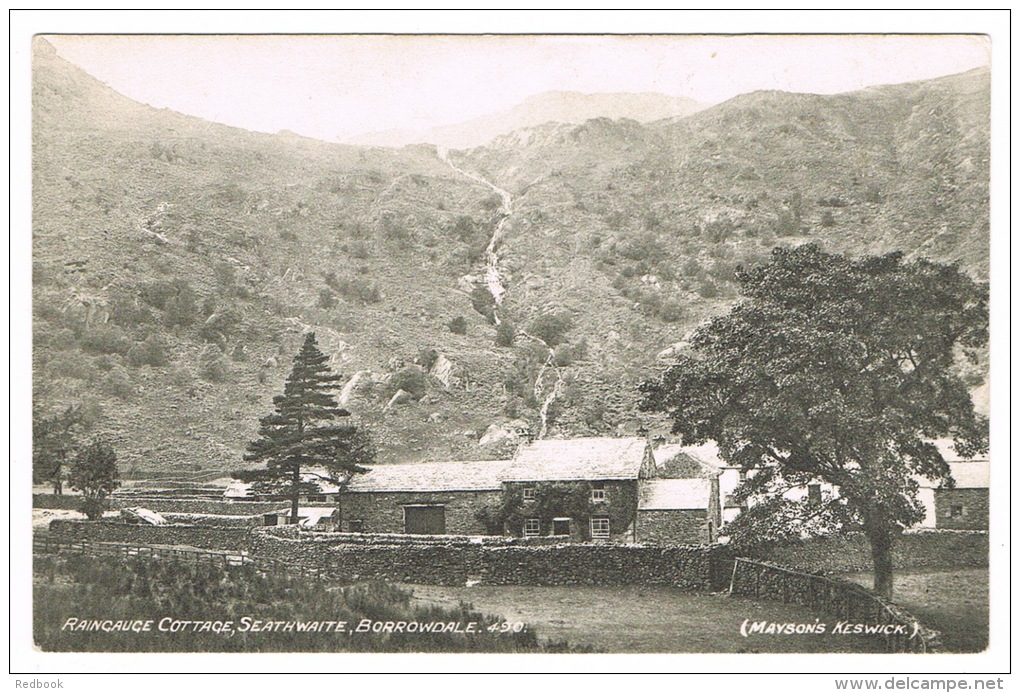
571,344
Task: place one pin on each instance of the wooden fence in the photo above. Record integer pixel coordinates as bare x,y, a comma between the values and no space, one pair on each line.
45,544
838,599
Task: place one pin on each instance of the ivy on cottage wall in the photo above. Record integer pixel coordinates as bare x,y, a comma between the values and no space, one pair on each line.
551,500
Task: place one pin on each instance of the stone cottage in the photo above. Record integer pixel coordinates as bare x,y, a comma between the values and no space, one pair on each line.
965,505
582,489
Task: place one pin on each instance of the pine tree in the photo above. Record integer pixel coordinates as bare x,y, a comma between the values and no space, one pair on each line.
300,435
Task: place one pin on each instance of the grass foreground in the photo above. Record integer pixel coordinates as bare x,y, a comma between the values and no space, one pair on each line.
89,604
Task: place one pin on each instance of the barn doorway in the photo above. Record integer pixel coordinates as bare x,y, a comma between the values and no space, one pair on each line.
424,519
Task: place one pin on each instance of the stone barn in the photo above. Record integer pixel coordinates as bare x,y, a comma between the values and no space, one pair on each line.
425,498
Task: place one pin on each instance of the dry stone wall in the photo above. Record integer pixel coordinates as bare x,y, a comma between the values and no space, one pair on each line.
496,563
841,601
852,554
218,538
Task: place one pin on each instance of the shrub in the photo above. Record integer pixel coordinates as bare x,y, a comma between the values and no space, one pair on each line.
483,303
180,309
458,325
117,382
158,293
827,219
427,358
551,328
566,354
71,364
104,339
213,365
219,325
719,230
358,289
327,300
708,289
873,194
411,380
506,331
127,311
151,352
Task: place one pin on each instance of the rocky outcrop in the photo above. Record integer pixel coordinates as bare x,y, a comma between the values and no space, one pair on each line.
671,352
446,371
361,385
503,433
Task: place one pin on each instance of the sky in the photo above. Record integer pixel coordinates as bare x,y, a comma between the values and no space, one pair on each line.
336,87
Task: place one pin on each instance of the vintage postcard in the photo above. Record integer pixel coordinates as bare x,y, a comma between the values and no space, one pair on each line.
511,344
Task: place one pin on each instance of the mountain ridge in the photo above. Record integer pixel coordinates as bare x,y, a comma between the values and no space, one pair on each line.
177,263
552,106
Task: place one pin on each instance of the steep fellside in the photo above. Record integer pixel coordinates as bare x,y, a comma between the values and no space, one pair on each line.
176,263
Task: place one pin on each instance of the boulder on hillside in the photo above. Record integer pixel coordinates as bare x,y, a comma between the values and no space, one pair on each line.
671,352
446,371
399,397
505,432
361,386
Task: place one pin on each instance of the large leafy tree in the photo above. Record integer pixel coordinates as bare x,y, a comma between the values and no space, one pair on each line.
54,439
303,434
840,370
95,474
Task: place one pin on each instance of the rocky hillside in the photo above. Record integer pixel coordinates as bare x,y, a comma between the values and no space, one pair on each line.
176,262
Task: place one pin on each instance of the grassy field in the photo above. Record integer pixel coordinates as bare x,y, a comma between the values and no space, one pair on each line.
952,602
101,604
644,619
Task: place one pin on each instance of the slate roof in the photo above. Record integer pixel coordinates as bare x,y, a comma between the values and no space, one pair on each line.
673,457
973,474
578,459
674,494
432,476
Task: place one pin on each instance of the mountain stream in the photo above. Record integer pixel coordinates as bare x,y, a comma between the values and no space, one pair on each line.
495,287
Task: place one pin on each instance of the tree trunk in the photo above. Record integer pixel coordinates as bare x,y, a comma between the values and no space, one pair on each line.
339,512
58,477
881,539
295,494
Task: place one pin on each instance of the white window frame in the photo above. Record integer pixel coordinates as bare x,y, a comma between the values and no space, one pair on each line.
598,495
528,494
532,527
599,526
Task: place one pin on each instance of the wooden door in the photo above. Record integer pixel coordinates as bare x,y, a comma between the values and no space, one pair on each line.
424,519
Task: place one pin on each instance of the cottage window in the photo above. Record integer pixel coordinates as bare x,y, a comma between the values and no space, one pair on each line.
814,493
532,527
600,528
598,493
317,498
528,494
955,511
